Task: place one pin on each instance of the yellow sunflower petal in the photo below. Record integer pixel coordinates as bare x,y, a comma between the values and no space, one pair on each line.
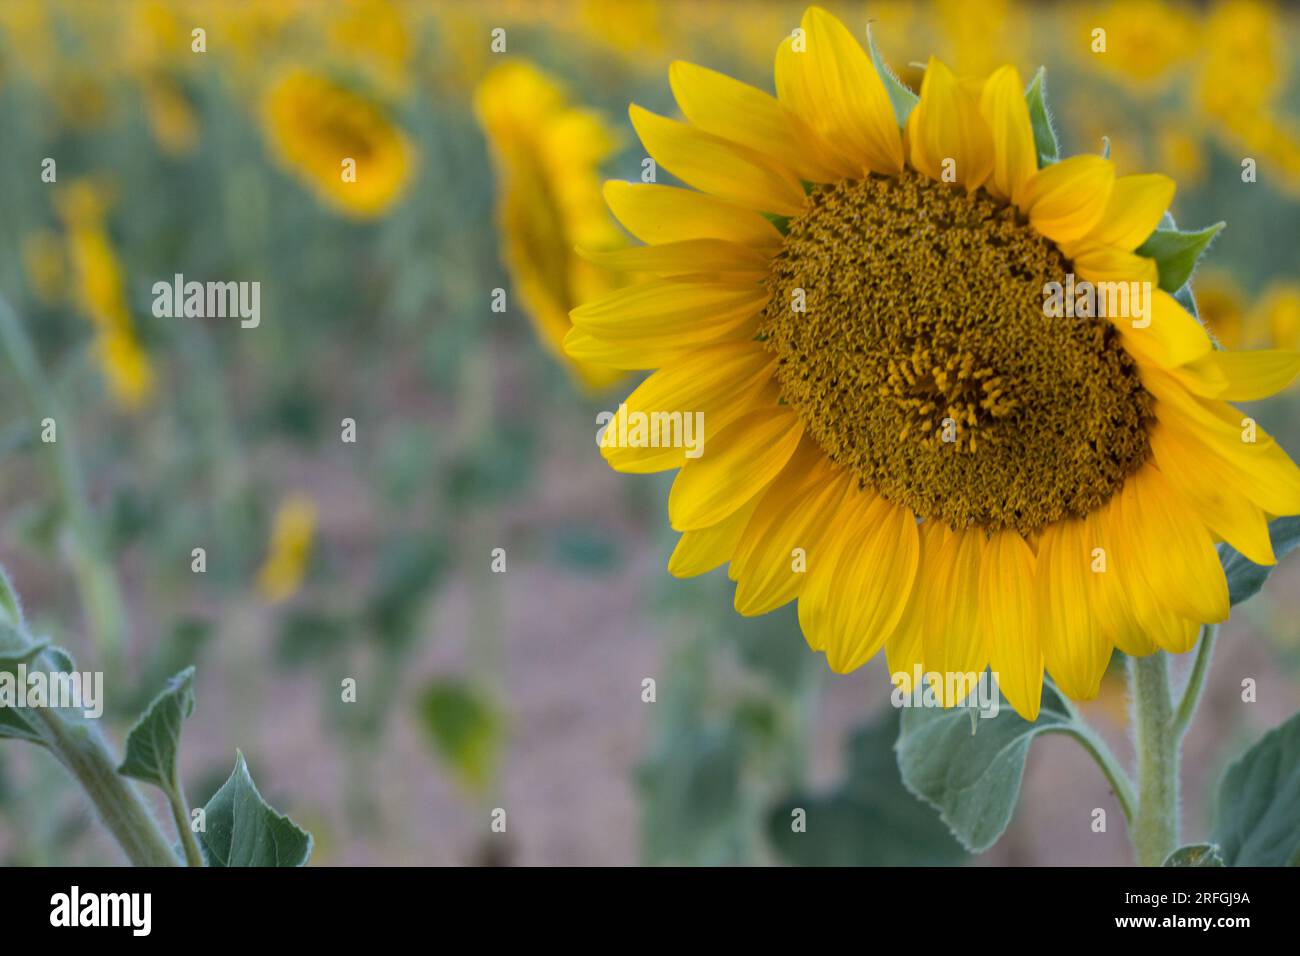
718,166
1067,199
1169,336
1015,157
1108,596
1133,211
833,85
581,346
781,549
655,213
1250,376
737,463
860,586
904,649
1007,606
1171,549
945,126
875,573
955,642
1108,264
691,311
686,257
713,386
736,111
1074,648
699,552
1255,466
1203,481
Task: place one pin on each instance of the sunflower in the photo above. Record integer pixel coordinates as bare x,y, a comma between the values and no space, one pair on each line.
899,435
315,126
290,550
101,295
546,152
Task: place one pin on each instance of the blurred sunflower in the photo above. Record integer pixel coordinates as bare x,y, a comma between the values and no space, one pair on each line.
547,153
315,126
1146,41
858,311
100,292
1277,314
290,549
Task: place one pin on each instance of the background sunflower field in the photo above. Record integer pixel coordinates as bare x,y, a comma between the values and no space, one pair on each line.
425,307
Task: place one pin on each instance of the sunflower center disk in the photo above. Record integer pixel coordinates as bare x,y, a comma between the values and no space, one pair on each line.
919,356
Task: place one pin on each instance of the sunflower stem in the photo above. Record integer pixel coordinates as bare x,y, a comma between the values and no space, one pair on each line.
1191,698
1155,826
1120,784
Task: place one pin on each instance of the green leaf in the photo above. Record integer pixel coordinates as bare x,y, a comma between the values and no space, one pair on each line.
1040,120
1257,818
465,729
1176,253
241,829
972,779
153,742
1245,578
1196,854
903,98
15,723
870,819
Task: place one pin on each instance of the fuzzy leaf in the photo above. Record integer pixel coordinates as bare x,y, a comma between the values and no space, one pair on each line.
1040,120
900,96
972,779
153,742
241,829
1245,578
1176,253
1257,819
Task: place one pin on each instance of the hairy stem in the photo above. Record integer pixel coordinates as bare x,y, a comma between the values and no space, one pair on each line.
1110,767
1155,827
121,808
181,815
1196,680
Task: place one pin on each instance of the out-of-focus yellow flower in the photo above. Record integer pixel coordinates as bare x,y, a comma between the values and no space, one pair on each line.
1245,60
1278,312
1146,41
156,36
1222,308
315,126
1182,155
101,295
547,153
290,549
980,36
172,120
374,36
46,265
629,26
